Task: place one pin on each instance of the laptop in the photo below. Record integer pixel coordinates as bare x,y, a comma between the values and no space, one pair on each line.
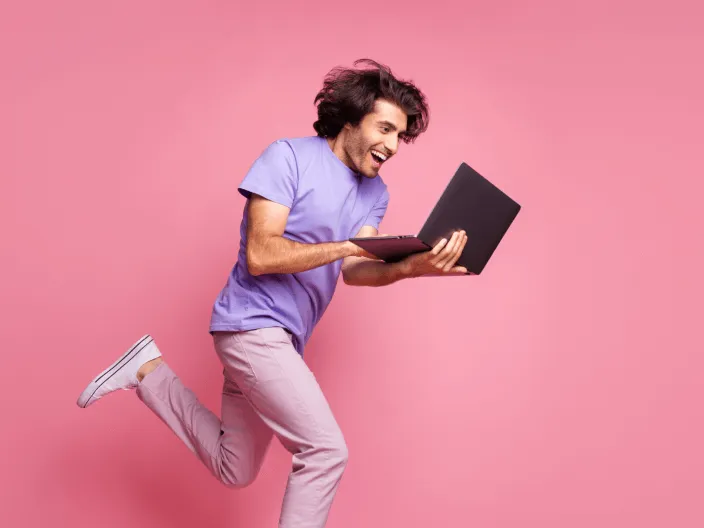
471,203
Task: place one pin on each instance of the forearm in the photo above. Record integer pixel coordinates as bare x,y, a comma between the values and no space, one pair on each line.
277,254
374,273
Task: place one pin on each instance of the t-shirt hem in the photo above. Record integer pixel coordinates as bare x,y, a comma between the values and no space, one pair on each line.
242,327
373,224
232,327
247,190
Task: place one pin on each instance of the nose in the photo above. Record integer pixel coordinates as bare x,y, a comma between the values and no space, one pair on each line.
391,145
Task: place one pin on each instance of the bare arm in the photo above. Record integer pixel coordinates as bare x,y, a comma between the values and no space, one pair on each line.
361,271
440,261
269,252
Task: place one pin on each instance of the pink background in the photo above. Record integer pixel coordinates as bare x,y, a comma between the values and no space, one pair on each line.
561,388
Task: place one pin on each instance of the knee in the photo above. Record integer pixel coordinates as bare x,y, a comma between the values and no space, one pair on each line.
236,479
236,483
337,454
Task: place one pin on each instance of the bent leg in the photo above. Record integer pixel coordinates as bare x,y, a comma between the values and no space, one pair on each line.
286,395
232,448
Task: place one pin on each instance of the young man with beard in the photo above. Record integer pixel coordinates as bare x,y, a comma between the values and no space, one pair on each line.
305,198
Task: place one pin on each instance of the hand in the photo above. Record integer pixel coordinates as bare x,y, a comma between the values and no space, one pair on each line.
438,261
357,251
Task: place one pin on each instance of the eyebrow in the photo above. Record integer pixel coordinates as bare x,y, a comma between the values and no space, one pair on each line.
389,124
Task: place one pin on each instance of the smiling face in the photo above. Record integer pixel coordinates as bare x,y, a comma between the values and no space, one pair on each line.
366,147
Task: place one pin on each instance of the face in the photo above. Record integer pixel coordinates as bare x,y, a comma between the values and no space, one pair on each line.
371,144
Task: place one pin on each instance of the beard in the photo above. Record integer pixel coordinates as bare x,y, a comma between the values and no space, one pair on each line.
359,152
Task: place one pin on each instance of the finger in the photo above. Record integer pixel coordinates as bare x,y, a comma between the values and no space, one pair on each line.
438,247
449,259
457,253
440,256
447,256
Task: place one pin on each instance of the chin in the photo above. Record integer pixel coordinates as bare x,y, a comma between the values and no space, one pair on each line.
370,172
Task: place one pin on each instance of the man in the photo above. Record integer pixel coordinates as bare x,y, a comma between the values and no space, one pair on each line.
305,198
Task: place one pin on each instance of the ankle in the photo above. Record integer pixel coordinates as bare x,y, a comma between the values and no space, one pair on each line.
148,367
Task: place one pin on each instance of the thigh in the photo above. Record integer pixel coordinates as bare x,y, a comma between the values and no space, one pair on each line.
242,429
282,389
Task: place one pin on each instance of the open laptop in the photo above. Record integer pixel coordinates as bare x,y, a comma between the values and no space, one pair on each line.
471,203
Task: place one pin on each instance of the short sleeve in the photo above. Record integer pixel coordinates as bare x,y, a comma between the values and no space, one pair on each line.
377,213
273,175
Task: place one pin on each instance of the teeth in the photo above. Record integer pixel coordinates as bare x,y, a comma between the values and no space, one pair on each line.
383,158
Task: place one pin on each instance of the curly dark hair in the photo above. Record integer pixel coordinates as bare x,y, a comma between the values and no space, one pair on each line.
349,94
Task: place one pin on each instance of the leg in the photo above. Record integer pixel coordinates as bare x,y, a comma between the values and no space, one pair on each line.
285,394
232,449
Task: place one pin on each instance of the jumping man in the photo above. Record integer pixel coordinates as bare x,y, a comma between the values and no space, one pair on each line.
306,197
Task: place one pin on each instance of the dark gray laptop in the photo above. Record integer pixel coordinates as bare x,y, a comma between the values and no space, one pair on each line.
470,202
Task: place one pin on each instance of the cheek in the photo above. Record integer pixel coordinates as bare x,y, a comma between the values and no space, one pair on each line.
362,150
372,141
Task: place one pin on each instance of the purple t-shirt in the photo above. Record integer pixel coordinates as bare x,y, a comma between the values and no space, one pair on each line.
328,202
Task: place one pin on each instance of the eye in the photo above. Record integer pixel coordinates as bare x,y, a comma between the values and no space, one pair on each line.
385,129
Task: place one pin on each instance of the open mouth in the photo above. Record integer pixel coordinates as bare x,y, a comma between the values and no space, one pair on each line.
378,157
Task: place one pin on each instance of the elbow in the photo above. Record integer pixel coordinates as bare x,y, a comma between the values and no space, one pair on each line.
348,278
261,258
254,264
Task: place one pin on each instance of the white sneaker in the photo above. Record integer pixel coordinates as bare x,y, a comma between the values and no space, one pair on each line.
121,375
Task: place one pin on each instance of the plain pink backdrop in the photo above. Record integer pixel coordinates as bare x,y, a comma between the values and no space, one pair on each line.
561,388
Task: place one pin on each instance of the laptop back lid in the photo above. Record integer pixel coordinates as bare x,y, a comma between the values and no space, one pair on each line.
473,203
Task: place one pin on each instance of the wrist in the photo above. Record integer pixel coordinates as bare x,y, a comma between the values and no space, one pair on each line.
402,270
351,249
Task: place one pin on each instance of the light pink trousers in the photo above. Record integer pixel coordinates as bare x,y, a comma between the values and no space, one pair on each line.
268,390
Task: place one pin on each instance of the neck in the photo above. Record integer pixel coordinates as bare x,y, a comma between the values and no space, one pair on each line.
337,146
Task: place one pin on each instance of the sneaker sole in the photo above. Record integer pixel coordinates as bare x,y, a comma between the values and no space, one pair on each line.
93,386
